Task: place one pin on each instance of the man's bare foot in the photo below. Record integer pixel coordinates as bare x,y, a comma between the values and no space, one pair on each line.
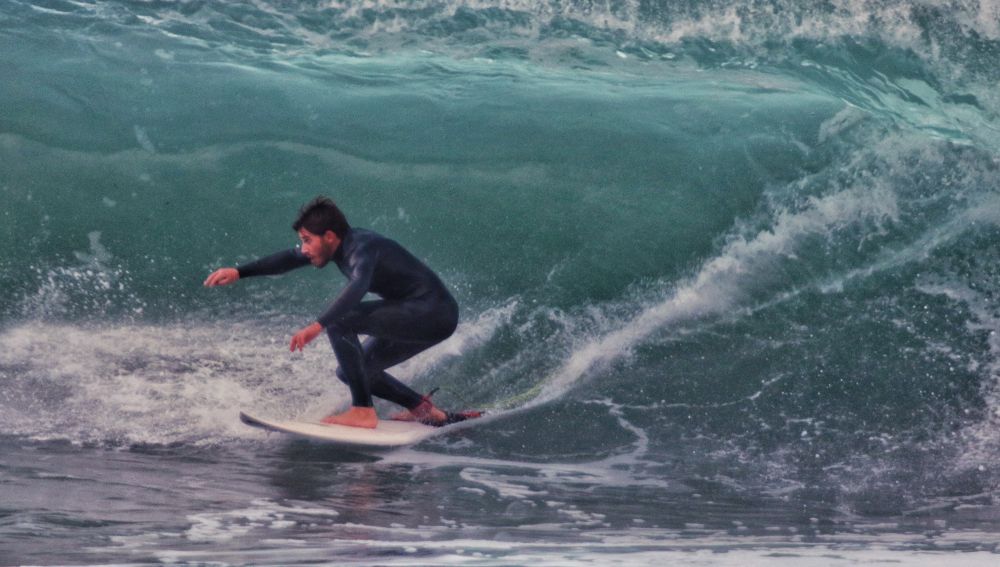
354,417
405,415
426,412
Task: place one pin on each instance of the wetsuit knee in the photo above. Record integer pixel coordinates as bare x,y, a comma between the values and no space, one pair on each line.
446,318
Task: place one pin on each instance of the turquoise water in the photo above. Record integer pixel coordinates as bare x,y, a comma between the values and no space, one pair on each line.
728,276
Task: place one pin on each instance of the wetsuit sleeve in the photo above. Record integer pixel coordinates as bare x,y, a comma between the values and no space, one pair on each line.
359,281
274,264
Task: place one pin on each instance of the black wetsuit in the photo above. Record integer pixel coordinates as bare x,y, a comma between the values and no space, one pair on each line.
415,312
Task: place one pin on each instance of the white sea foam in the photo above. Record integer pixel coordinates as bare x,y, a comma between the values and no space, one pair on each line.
635,546
151,383
261,514
504,488
94,285
187,382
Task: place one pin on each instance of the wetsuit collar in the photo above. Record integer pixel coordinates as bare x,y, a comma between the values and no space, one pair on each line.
338,254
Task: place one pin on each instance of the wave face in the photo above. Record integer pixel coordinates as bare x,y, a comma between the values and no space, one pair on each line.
760,233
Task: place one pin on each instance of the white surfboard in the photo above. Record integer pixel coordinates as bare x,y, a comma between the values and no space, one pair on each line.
386,435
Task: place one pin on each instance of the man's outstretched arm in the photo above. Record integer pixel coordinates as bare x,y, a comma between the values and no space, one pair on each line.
274,264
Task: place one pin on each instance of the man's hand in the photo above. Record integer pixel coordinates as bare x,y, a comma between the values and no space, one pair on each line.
305,336
222,276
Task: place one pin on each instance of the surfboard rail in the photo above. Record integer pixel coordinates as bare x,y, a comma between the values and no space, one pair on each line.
387,435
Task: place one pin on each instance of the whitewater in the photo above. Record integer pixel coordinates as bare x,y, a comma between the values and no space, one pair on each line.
728,275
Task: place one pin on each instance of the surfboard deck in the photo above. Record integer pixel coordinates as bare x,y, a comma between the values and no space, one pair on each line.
388,434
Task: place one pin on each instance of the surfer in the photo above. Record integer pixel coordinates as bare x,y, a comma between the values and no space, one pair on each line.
415,311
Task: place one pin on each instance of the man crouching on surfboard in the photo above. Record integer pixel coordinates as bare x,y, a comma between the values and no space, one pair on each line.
415,311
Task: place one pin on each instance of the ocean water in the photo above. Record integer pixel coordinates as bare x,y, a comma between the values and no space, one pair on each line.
729,275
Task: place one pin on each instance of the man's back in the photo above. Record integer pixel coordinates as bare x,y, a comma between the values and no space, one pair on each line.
395,272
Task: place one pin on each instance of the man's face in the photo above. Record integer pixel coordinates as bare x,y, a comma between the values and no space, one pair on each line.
319,249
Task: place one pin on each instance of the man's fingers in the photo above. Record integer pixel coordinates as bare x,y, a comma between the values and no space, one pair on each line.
224,276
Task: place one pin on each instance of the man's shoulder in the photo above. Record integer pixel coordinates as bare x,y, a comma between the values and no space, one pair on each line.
365,238
361,234
365,244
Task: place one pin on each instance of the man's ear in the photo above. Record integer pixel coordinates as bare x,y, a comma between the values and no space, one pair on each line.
331,237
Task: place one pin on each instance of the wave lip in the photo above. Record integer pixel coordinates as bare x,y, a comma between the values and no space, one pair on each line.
744,268
642,29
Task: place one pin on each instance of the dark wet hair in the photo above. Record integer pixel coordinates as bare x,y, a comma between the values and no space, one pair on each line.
320,215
